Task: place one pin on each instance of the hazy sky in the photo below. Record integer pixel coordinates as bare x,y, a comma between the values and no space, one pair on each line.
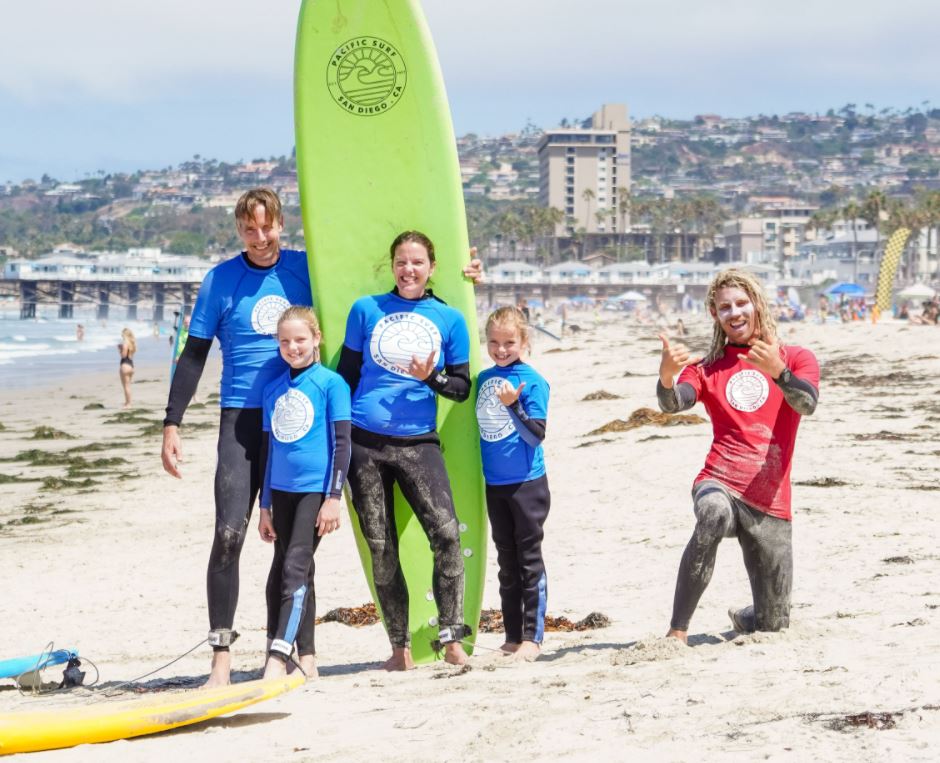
132,84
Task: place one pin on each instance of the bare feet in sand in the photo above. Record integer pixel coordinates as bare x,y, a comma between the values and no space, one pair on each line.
275,667
528,651
509,647
308,664
454,653
220,674
400,659
683,636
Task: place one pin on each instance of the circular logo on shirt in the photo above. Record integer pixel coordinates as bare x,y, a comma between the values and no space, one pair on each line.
399,337
747,390
267,312
492,416
292,417
366,76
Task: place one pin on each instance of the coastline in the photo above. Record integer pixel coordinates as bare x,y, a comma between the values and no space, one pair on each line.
121,577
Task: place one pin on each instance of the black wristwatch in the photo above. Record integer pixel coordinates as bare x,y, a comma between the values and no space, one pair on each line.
784,377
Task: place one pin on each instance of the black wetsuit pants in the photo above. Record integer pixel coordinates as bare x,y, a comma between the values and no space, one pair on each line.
766,543
292,603
416,464
237,481
517,513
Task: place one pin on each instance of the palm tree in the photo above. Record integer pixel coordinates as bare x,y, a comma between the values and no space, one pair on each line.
851,212
588,195
624,201
872,210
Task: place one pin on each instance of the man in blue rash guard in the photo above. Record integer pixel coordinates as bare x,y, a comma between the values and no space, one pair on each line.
239,302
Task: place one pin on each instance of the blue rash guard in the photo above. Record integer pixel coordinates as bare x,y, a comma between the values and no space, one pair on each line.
300,413
241,305
507,456
388,330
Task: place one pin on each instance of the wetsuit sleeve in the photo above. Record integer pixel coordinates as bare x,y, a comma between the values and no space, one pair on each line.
453,382
339,412
186,378
532,431
264,464
342,452
801,388
350,367
680,397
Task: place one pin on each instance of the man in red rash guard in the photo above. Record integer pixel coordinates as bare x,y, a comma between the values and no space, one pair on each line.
755,391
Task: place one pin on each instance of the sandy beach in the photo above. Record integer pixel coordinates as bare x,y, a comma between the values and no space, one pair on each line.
108,555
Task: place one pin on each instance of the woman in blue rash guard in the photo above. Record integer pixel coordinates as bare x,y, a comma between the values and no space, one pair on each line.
304,459
402,349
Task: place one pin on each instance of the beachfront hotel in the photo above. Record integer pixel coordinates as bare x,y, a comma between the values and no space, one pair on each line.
582,168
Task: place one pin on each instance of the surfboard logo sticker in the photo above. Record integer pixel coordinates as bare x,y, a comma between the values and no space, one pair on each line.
292,417
400,336
492,415
366,76
267,312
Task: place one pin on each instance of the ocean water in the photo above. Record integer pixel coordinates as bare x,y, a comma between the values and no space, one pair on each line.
35,352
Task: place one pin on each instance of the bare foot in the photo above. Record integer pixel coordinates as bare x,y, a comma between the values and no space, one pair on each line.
683,636
308,664
220,674
275,667
509,647
528,651
400,659
454,653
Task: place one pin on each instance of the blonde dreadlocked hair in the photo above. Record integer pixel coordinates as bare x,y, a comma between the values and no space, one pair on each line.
765,325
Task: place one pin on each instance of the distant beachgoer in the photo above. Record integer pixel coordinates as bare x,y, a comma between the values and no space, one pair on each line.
755,391
80,333
511,408
156,330
305,460
127,347
680,327
523,306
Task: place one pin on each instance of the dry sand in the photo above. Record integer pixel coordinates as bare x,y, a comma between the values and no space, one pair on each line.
120,576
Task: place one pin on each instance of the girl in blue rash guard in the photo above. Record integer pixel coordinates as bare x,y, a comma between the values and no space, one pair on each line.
512,406
401,350
305,459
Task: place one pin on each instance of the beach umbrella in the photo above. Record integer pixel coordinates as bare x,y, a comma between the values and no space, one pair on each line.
629,296
848,288
917,291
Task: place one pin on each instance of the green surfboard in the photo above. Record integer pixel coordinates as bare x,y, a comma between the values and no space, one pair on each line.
376,155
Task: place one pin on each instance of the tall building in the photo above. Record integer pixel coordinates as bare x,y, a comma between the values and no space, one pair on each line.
582,170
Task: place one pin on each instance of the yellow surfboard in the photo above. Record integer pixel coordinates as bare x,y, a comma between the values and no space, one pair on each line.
108,721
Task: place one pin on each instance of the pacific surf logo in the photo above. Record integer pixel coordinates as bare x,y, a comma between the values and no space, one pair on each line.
492,415
747,390
267,312
292,417
399,337
366,76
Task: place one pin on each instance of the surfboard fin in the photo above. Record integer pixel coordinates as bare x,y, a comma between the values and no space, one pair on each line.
72,676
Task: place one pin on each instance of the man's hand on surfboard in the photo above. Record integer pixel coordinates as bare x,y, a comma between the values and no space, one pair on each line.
172,453
474,271
420,369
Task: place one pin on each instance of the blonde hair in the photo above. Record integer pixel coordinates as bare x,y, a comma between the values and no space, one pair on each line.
765,325
510,317
305,315
258,197
128,336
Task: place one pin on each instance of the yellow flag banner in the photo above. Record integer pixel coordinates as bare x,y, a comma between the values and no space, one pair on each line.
889,267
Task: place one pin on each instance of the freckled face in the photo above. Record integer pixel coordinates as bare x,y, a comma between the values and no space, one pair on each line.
736,314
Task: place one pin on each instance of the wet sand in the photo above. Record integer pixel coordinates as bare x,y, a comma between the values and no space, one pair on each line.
109,557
